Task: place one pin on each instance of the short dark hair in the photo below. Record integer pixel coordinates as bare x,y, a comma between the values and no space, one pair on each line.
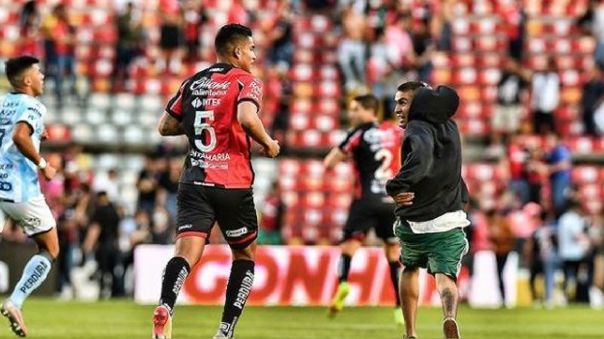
412,86
228,35
16,66
368,101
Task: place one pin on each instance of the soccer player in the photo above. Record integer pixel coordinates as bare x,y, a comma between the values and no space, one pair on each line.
217,109
374,149
430,195
21,131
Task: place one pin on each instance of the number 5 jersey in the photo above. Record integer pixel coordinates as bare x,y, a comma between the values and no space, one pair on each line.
219,149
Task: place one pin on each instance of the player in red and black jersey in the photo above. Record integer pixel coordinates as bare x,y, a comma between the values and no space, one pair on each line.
374,150
217,109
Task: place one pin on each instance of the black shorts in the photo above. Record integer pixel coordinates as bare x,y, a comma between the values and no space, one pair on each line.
200,206
367,214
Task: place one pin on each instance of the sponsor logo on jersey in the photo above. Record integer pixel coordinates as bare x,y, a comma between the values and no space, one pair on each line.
196,103
207,83
236,233
185,227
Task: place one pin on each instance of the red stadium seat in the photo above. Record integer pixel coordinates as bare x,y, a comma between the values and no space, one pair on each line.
585,174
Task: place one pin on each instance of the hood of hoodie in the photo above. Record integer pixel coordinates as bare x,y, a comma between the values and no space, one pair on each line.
434,105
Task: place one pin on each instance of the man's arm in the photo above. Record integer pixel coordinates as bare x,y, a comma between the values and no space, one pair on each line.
418,148
22,139
334,157
248,118
168,125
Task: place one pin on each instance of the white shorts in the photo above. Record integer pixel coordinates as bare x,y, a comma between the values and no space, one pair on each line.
33,216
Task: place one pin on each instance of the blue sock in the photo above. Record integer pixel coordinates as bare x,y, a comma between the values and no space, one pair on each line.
34,274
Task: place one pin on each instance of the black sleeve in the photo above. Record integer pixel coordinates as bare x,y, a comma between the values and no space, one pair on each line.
352,140
417,150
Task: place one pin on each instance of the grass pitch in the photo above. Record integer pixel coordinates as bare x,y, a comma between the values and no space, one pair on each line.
47,318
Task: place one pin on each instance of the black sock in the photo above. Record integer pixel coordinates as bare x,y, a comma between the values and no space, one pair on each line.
174,277
344,267
394,270
238,289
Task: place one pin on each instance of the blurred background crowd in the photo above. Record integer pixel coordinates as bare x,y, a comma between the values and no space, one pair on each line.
529,73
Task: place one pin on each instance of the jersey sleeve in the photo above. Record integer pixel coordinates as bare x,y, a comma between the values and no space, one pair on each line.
30,114
251,90
352,141
174,107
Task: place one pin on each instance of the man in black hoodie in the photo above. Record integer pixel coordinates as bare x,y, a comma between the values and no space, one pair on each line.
430,195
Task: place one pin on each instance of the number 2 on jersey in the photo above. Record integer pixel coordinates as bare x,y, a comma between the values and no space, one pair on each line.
383,172
202,122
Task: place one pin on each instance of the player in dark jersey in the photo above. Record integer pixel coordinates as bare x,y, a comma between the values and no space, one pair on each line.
217,109
374,149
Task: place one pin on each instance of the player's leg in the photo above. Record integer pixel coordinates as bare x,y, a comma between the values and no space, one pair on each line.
236,215
413,256
238,289
445,262
359,221
194,222
447,288
188,251
38,223
392,250
409,290
348,247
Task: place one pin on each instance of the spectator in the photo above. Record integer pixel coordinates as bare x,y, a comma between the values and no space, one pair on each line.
516,161
596,235
64,43
168,186
537,173
508,111
238,13
502,243
281,117
170,41
443,25
162,230
542,259
559,162
128,46
147,186
593,95
546,96
592,22
351,51
574,245
49,24
280,35
514,22
193,16
382,64
271,217
102,238
398,35
423,46
140,235
28,26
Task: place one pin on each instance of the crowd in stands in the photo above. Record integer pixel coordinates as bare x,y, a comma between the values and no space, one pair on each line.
528,202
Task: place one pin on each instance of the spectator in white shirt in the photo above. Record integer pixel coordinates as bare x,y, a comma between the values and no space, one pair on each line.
573,244
545,98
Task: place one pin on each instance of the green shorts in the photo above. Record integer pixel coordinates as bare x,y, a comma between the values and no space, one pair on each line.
438,252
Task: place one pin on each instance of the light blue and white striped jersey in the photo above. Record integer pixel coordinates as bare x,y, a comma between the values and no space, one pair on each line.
18,175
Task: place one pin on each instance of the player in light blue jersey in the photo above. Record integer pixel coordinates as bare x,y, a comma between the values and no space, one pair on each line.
21,130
